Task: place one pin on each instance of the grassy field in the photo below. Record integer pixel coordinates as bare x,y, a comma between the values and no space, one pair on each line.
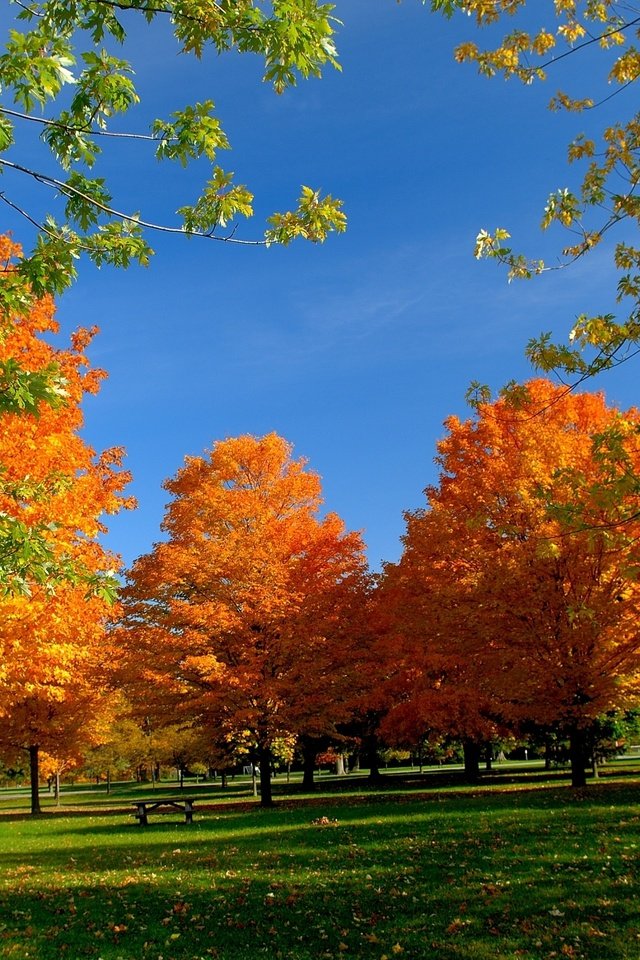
496,873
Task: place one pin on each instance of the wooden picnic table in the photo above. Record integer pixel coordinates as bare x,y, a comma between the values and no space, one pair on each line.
145,807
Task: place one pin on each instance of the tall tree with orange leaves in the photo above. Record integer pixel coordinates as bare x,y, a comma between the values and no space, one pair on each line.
517,594
40,393
430,652
246,618
57,589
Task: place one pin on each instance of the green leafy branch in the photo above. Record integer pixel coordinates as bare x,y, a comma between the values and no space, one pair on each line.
608,194
295,38
28,558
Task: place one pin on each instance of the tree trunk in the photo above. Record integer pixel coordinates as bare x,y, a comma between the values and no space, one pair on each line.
340,771
578,757
108,781
471,760
488,757
56,791
309,763
34,774
264,758
370,745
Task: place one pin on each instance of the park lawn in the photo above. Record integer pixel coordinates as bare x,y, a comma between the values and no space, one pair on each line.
543,873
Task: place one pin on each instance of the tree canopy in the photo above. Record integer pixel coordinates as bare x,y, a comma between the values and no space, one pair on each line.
57,581
516,598
53,489
246,617
59,73
602,212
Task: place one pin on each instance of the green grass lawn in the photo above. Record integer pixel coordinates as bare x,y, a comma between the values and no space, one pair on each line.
494,874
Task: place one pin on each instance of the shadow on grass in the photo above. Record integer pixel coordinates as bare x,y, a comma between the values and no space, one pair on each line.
535,874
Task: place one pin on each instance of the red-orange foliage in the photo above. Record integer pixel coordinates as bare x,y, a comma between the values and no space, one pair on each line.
516,598
52,642
246,618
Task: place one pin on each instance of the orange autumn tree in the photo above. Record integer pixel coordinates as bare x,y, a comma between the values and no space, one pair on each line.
35,381
53,617
246,618
517,596
431,648
55,696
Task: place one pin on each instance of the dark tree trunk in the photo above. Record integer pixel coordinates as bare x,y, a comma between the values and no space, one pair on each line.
309,750
488,756
370,748
108,781
264,758
578,757
471,760
34,774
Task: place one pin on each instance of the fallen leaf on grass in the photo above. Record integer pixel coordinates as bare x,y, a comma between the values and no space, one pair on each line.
456,926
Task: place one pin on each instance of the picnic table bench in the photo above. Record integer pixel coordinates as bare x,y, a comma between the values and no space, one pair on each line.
145,807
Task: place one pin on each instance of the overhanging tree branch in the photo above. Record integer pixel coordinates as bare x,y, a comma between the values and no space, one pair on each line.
44,121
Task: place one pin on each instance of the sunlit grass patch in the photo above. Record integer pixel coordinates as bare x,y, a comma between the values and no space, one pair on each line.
534,875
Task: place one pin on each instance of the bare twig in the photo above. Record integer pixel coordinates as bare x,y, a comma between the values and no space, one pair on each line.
587,43
121,5
34,13
119,215
86,129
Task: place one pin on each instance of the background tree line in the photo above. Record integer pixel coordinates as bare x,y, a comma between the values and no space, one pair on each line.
255,626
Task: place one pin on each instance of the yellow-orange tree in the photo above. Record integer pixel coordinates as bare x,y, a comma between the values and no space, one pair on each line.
245,619
53,492
517,594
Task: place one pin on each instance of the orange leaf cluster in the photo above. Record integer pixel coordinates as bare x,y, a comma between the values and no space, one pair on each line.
516,599
53,643
247,616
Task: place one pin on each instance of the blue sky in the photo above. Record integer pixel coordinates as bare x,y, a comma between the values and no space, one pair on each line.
358,349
